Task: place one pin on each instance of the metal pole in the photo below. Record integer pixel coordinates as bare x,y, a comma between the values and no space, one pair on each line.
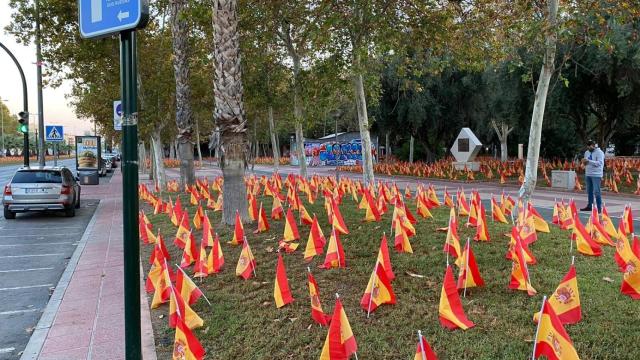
25,104
128,90
55,154
39,75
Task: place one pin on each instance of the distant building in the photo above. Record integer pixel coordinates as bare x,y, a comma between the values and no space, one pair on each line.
70,140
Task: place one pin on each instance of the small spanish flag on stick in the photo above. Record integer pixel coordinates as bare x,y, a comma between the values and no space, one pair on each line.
281,292
551,338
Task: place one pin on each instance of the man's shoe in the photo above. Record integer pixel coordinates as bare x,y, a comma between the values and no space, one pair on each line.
586,209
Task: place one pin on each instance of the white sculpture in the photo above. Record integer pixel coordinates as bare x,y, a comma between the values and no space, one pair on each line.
465,149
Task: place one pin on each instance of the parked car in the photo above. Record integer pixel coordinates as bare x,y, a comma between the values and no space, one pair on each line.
39,188
110,158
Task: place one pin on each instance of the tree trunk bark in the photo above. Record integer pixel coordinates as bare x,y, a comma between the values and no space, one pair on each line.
156,144
363,123
229,113
504,154
533,151
387,147
411,150
198,143
142,156
274,142
302,159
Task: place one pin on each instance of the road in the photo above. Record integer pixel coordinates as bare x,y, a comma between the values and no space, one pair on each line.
6,172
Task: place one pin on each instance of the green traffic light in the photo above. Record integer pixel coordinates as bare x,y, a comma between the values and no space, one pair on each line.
23,128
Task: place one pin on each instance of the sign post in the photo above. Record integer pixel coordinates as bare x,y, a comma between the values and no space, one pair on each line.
100,19
54,134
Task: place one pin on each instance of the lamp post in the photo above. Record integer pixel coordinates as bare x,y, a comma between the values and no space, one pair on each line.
4,151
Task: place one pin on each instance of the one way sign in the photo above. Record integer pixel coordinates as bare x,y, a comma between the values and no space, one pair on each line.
54,133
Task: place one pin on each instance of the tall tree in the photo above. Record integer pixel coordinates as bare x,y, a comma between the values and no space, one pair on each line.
229,114
184,113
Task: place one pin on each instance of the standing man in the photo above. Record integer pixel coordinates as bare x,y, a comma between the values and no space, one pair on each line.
594,167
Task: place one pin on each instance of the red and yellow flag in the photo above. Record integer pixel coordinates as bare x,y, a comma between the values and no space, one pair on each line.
378,291
316,307
187,288
528,255
565,301
185,344
463,205
290,227
198,218
340,342
184,231
384,259
201,268
253,207
450,310
190,252
482,230
597,231
207,232
448,201
176,212
161,285
263,224
607,223
496,212
631,279
539,223
246,266
159,250
519,270
584,243
401,238
276,209
452,242
238,231
552,340
469,275
180,310
423,349
423,207
336,219
335,252
281,292
215,261
368,204
626,221
304,215
316,241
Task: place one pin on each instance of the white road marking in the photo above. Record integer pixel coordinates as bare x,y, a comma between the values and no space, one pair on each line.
36,235
36,244
23,256
18,312
21,270
26,287
6,350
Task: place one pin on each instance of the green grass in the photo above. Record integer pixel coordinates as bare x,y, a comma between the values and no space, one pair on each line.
243,322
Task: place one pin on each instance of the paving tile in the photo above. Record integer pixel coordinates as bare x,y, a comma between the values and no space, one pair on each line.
108,351
69,354
66,342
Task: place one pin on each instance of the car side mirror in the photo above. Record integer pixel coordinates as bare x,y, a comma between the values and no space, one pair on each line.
76,178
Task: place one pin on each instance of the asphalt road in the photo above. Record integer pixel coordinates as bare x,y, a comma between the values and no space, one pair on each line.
34,251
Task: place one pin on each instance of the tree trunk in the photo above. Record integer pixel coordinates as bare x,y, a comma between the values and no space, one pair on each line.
198,143
387,147
184,114
533,151
363,122
274,142
156,145
297,114
172,150
142,157
411,150
504,152
229,114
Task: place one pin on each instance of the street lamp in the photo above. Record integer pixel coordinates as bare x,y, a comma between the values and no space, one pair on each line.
4,151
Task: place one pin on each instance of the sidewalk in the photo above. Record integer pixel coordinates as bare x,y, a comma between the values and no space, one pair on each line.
84,318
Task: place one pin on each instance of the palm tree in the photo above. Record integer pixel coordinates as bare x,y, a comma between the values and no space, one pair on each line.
184,114
229,114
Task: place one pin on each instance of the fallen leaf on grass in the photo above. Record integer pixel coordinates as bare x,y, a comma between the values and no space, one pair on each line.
293,319
161,316
269,249
205,330
309,327
414,274
607,279
266,303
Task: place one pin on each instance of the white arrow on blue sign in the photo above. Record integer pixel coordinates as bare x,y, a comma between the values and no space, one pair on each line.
54,133
100,18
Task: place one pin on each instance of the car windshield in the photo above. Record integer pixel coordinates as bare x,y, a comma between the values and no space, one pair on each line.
40,176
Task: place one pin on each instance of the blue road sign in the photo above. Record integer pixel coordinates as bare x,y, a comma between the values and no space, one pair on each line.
104,17
54,133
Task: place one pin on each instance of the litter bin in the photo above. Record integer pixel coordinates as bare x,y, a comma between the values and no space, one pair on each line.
564,179
89,177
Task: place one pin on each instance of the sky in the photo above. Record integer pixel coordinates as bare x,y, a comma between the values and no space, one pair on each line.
57,110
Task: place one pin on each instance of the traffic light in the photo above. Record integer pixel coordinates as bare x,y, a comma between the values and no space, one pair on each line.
23,119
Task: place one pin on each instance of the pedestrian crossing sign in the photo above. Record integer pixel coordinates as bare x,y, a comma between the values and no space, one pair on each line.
54,133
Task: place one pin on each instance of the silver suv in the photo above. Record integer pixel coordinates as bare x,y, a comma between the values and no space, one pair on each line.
41,189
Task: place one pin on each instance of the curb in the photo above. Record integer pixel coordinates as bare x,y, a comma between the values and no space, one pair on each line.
39,335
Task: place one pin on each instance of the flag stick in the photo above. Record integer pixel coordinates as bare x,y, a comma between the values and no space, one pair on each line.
185,274
466,270
493,219
373,286
424,356
573,260
535,340
571,242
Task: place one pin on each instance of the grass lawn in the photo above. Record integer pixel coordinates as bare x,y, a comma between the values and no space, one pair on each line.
243,322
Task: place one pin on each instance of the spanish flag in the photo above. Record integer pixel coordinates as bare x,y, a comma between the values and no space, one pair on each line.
185,344
263,224
201,268
162,285
335,252
194,196
198,218
340,342
316,241
584,243
290,227
469,275
423,350
597,232
448,201
528,255
336,219
552,340
565,301
190,253
372,213
432,197
207,232
378,290
180,310
539,223
463,205
304,215
316,307
452,314
607,223
184,231
238,231
519,271
246,266
219,202
281,292
496,212
631,278
159,250
276,209
383,258
482,231
215,261
474,211
452,242
176,212
555,218
422,207
626,221
187,288
253,207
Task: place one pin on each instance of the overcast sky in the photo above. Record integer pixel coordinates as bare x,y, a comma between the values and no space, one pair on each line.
57,111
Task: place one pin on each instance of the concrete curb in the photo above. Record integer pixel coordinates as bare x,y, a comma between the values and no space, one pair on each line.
39,335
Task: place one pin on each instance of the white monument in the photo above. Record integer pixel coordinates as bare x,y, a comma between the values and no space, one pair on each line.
465,149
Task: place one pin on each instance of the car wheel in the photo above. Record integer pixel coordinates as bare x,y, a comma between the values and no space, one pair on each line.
9,214
70,211
78,200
